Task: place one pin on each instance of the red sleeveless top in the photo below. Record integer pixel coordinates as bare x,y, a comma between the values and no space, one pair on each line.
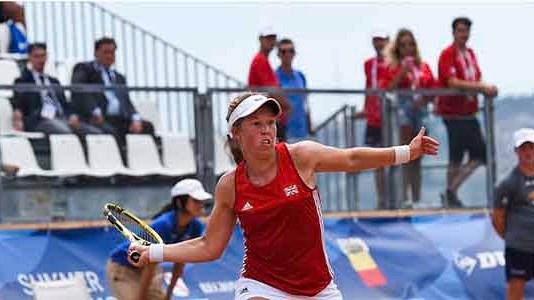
283,230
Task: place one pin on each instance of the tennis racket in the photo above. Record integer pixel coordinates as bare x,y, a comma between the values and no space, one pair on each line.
131,227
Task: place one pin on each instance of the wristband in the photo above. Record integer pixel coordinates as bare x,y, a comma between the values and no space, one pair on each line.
402,154
155,253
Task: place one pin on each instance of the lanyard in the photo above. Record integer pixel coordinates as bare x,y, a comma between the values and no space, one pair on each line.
468,65
38,81
374,73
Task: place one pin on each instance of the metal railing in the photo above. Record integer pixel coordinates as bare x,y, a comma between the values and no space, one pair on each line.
342,191
70,29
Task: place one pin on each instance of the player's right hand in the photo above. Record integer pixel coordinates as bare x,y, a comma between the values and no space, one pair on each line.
143,255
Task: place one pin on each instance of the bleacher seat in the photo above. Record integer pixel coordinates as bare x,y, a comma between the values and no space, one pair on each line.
104,156
10,72
223,158
73,287
178,153
149,111
6,126
18,151
143,156
68,159
64,71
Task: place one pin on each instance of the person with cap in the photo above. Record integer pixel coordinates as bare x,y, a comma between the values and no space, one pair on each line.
375,70
513,215
175,222
261,75
273,194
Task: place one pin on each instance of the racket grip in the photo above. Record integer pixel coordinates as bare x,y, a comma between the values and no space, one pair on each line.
134,256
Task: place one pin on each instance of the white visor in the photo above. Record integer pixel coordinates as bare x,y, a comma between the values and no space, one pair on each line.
249,106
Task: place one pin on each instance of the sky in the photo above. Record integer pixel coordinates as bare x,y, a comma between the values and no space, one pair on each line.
333,39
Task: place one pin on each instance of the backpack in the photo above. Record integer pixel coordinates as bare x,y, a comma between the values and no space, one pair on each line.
19,41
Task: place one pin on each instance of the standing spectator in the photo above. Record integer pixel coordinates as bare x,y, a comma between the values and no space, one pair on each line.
458,68
375,71
112,110
12,28
406,70
47,110
298,121
513,216
261,74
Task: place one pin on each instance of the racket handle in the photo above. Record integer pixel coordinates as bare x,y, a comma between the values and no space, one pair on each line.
134,256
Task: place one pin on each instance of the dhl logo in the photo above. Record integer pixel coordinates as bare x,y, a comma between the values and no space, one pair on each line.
362,262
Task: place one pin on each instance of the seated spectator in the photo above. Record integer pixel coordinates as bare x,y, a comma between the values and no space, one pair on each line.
12,28
406,70
112,111
46,110
458,68
261,74
298,120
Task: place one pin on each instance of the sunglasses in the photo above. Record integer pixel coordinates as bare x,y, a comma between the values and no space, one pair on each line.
284,51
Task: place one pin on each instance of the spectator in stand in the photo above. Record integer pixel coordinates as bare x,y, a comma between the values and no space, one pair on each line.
406,70
375,71
458,68
48,110
112,111
298,121
261,74
12,28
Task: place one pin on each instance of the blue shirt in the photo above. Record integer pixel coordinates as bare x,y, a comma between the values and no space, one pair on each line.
167,227
297,121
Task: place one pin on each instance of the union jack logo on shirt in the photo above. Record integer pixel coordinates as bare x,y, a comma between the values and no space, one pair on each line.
291,190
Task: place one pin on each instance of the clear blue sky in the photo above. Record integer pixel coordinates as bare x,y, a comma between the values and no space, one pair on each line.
333,40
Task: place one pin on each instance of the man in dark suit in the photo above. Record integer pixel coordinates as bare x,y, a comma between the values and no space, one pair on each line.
47,110
112,110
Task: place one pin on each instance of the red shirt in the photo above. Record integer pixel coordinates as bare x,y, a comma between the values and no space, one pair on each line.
283,230
419,78
375,70
452,64
261,73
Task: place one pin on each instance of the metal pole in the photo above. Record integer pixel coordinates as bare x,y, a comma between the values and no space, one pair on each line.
490,149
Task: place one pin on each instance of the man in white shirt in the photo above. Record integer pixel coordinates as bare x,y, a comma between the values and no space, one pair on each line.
47,110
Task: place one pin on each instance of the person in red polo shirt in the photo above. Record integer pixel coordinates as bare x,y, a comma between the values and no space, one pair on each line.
458,68
261,74
375,69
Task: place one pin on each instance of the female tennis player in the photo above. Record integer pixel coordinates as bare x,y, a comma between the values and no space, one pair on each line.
273,193
176,222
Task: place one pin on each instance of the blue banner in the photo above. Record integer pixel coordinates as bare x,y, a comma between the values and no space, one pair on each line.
432,257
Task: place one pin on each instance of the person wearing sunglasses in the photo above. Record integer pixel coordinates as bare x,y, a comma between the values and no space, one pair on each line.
406,70
298,125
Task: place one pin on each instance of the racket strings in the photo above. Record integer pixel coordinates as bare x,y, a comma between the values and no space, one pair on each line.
136,228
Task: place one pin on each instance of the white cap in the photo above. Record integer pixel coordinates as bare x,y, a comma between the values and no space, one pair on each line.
267,31
522,136
249,106
380,33
191,187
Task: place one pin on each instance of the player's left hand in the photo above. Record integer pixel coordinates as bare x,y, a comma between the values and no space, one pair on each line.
423,145
143,252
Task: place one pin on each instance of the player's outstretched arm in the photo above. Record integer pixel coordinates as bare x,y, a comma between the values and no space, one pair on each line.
209,247
323,158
